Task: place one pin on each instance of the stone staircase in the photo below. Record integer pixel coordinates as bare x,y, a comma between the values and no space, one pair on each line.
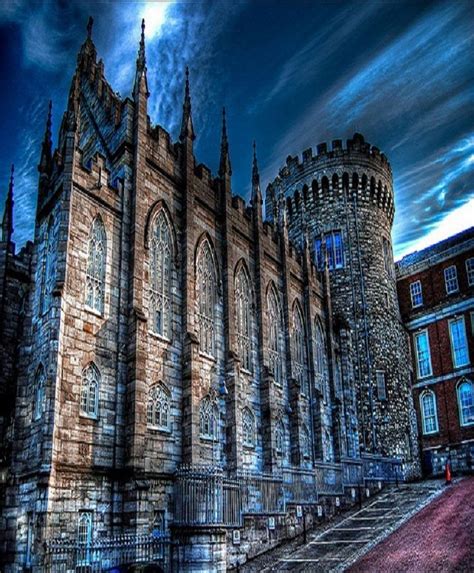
352,534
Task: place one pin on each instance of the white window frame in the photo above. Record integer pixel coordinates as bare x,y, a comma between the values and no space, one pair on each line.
381,385
462,421
84,537
416,336
470,271
414,295
325,244
466,345
423,395
451,279
90,377
208,410
96,272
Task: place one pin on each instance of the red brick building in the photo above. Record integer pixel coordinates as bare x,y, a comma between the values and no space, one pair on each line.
436,295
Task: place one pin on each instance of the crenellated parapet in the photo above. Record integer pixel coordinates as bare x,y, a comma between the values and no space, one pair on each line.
359,168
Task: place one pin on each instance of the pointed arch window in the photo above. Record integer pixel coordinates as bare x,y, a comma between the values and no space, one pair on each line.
299,350
208,418
275,344
39,405
243,303
206,299
320,357
465,392
90,391
279,437
96,261
159,407
248,428
48,268
160,275
429,413
84,538
305,443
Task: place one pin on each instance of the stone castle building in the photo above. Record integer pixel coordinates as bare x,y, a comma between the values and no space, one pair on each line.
160,339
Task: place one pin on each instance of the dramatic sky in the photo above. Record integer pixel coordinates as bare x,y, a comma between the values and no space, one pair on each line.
291,74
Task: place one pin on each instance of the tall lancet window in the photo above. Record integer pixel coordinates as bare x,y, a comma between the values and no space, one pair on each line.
95,277
160,276
275,342
48,268
90,391
206,298
40,393
320,358
243,302
299,350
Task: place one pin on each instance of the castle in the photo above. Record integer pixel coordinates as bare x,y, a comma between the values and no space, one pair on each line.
171,361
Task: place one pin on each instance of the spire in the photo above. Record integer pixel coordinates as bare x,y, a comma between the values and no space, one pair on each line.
224,166
90,23
140,74
45,165
256,192
187,129
141,60
7,222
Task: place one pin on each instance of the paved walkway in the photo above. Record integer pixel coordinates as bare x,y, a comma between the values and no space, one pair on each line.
438,539
337,546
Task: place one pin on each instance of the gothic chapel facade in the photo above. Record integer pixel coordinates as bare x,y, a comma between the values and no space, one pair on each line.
166,325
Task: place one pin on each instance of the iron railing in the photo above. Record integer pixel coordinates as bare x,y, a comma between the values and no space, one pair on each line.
65,555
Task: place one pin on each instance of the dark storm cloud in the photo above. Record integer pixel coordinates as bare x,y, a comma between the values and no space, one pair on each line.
291,75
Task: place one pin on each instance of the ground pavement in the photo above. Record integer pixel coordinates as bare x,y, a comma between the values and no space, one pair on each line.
340,544
440,538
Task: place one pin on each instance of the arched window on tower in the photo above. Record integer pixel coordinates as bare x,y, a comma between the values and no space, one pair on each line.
248,428
206,284
161,275
159,407
209,419
40,393
96,261
90,391
275,342
243,303
299,350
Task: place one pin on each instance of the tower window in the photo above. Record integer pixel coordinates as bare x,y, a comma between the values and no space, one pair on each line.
90,391
95,276
279,437
305,443
459,350
84,538
416,294
381,386
451,279
429,414
466,403
330,246
423,356
276,356
40,394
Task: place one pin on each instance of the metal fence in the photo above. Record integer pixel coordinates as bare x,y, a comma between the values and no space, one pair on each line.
261,493
66,555
300,486
353,474
329,478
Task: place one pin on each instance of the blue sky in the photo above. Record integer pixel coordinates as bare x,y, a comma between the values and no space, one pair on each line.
291,74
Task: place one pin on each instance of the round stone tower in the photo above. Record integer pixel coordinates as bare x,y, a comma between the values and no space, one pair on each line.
342,200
